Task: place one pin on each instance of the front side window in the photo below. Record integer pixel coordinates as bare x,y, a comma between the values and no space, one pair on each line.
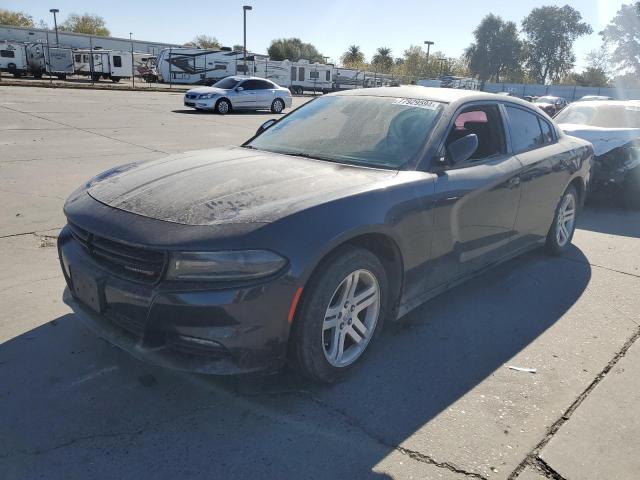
525,130
251,85
227,83
117,61
381,132
485,122
7,54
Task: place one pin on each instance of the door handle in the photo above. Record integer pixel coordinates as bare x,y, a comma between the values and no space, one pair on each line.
513,182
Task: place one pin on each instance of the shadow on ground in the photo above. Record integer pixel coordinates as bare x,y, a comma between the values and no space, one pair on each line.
603,214
75,407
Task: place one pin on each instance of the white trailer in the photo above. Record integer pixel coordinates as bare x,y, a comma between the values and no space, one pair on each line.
52,60
297,76
108,64
197,66
13,58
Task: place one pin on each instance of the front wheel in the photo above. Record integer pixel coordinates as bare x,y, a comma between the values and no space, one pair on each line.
564,223
277,106
343,308
223,107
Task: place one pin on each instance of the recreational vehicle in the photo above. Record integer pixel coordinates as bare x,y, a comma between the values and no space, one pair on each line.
297,76
103,63
52,60
13,58
196,66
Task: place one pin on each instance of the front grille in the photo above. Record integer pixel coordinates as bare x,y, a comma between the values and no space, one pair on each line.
192,96
133,263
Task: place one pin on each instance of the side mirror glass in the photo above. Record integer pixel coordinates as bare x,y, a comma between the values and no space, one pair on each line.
266,125
239,89
463,148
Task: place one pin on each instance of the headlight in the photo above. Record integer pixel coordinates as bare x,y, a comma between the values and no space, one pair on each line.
226,265
205,96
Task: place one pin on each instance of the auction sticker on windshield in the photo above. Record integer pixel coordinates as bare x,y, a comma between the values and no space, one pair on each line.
416,102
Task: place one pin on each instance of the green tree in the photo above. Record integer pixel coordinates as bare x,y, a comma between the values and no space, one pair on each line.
550,33
590,77
238,48
15,19
623,33
293,49
497,50
205,42
87,23
382,60
353,57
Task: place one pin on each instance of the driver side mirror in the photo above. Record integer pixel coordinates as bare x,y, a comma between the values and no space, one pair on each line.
462,149
239,89
265,125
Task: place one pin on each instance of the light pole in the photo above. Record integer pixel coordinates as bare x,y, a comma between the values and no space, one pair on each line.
133,73
55,22
244,45
428,43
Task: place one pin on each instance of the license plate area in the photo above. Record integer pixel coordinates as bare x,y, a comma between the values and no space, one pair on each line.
190,104
87,290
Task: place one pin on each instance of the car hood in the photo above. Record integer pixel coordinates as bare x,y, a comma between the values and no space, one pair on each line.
603,139
229,185
201,90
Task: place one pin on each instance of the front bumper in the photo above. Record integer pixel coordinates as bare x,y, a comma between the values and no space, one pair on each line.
213,330
206,104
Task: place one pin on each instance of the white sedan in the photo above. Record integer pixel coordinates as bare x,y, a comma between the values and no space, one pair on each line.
239,93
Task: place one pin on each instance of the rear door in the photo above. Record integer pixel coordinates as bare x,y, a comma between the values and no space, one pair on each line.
265,93
534,141
476,201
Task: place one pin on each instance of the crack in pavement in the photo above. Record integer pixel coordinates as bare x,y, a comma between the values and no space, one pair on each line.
574,260
83,130
544,469
35,232
533,459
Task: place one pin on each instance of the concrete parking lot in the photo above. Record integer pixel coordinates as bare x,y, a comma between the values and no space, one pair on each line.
435,399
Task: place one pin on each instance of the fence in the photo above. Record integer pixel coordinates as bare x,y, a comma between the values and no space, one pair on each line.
570,92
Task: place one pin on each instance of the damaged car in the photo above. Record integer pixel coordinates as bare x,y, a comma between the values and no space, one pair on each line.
613,128
299,245
550,105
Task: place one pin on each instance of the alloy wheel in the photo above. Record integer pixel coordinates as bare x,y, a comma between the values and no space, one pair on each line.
351,317
223,107
566,219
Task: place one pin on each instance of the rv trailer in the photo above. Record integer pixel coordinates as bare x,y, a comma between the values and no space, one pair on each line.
13,58
297,76
98,63
50,60
197,66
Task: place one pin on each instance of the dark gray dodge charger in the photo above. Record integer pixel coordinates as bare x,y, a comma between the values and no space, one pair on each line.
297,246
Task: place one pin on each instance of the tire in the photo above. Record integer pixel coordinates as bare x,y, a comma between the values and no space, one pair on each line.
277,106
223,106
564,222
115,79
62,76
95,77
631,189
323,322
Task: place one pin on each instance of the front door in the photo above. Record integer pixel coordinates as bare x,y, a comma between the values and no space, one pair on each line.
244,96
476,201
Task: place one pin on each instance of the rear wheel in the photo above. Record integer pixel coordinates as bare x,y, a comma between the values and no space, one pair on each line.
344,307
277,106
223,106
564,223
115,79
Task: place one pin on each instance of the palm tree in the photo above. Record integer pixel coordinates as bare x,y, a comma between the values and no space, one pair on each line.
353,56
383,59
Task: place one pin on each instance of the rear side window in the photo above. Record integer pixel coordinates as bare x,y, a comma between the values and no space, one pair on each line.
7,54
547,133
117,61
264,85
525,130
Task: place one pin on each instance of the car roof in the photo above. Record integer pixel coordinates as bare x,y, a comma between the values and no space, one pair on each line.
243,77
436,94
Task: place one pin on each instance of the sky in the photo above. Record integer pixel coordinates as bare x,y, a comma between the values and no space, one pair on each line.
330,25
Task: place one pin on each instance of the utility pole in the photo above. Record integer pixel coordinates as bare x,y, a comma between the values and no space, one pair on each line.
55,22
133,73
244,44
428,43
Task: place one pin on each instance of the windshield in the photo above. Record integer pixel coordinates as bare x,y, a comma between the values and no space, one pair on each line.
546,100
227,83
608,116
373,131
